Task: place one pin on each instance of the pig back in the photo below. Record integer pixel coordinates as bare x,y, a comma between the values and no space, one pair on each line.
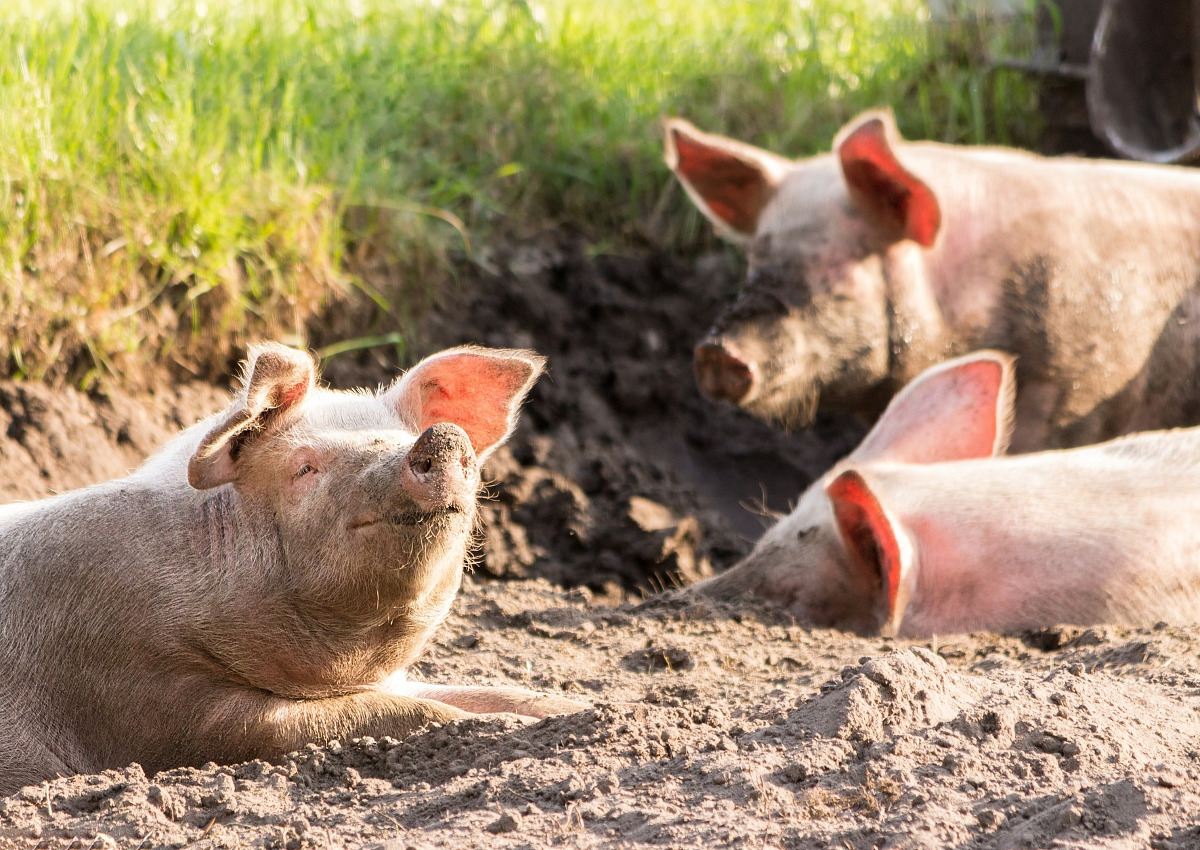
1101,534
1088,272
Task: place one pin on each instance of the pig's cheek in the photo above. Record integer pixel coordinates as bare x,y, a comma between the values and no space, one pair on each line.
856,279
298,490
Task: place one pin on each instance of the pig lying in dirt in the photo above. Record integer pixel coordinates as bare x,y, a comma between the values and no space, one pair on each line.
262,582
922,531
869,264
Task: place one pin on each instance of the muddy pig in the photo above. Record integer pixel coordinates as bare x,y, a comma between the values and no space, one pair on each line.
262,582
871,263
922,531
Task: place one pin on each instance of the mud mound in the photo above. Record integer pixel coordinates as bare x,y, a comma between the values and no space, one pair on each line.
888,695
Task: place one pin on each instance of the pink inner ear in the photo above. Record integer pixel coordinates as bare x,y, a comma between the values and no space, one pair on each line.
868,534
734,189
478,393
286,396
456,401
947,413
885,187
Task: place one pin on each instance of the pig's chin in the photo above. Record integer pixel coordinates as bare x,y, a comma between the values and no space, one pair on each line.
421,518
412,519
786,407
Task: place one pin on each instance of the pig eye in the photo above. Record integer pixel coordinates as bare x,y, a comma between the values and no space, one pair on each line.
804,532
305,470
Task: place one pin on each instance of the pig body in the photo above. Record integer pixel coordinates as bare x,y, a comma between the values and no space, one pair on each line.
921,531
262,582
869,264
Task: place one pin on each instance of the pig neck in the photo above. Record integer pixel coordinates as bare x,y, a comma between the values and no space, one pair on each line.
918,332
310,638
942,299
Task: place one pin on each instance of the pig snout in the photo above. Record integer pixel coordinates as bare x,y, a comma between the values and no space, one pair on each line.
439,470
723,372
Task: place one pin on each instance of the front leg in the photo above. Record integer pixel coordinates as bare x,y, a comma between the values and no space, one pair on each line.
249,726
488,700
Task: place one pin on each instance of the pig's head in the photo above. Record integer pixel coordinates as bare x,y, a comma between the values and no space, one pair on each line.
840,559
370,496
814,321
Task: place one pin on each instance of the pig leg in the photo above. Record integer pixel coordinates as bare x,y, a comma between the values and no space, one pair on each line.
299,722
247,726
25,760
283,725
489,700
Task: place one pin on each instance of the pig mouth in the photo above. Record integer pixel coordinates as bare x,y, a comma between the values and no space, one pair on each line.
785,405
407,518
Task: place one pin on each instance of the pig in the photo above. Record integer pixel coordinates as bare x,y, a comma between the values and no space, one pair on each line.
923,529
264,581
869,264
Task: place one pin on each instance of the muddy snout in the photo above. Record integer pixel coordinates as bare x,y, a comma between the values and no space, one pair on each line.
439,472
723,372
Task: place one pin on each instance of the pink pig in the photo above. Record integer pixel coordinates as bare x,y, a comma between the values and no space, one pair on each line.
875,261
262,582
922,530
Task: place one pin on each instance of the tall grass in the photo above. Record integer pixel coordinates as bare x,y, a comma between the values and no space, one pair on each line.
177,177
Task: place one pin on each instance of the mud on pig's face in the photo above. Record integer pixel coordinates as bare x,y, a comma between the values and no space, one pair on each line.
812,324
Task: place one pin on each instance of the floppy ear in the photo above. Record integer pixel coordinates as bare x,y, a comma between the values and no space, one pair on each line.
729,181
885,190
276,380
478,389
880,557
956,410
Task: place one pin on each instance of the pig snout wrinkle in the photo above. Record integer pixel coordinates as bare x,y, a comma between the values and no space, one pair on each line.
722,373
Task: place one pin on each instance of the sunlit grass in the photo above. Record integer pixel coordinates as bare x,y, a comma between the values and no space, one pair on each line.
178,177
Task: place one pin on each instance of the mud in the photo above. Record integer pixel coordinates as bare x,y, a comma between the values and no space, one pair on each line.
711,725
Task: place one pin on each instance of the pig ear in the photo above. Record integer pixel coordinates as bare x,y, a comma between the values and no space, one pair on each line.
879,558
276,380
959,409
883,188
477,389
729,181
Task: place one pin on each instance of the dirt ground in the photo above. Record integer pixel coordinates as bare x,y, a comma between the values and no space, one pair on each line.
711,725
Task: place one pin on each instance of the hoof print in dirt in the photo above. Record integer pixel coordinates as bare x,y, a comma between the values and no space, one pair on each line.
654,659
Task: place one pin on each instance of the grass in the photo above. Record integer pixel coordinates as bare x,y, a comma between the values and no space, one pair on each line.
181,177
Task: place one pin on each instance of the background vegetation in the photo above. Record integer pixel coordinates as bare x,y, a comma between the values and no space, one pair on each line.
178,177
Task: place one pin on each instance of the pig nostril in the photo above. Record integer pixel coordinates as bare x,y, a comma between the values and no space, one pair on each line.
438,449
722,374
